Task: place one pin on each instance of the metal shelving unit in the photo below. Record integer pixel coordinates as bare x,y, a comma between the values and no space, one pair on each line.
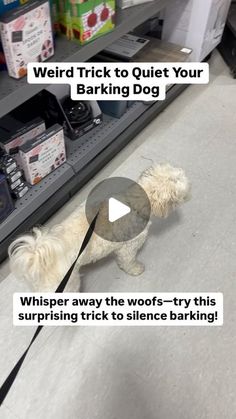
14,92
83,161
86,157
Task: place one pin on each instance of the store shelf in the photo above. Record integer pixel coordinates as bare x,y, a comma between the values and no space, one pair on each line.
35,198
79,155
84,160
94,142
14,92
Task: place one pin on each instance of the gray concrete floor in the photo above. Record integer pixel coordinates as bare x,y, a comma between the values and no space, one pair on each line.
148,373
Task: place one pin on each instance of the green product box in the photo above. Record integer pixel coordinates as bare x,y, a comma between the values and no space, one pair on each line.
64,17
87,20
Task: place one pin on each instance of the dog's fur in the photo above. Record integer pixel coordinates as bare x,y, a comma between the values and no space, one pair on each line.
44,256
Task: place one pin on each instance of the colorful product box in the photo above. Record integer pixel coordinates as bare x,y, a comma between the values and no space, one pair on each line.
11,141
26,35
5,6
43,154
86,20
64,18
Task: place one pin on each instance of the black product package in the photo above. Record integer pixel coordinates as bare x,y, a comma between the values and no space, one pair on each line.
6,203
54,111
7,164
20,190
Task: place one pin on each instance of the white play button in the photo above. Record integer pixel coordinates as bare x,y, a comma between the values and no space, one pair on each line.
117,210
123,207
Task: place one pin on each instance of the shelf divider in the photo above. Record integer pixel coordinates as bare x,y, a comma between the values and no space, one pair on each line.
14,92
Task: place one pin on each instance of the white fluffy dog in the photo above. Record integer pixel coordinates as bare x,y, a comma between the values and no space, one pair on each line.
44,256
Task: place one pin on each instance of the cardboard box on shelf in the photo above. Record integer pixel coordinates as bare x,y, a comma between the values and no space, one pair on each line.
48,104
86,20
197,24
12,138
43,154
26,34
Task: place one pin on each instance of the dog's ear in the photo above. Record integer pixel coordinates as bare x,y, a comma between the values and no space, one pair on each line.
166,187
158,189
161,201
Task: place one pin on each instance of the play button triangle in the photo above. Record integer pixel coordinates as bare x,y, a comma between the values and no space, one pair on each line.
117,210
123,206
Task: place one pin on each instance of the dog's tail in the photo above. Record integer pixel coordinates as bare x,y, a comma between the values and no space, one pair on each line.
36,256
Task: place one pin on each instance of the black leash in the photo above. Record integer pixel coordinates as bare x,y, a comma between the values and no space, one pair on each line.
4,389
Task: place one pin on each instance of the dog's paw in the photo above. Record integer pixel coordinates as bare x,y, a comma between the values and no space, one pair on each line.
136,269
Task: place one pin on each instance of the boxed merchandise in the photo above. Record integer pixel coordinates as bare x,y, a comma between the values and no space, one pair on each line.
6,203
86,20
9,122
12,138
43,154
64,18
5,6
199,24
26,34
55,106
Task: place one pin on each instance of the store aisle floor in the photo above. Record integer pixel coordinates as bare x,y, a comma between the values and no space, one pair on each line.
153,372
